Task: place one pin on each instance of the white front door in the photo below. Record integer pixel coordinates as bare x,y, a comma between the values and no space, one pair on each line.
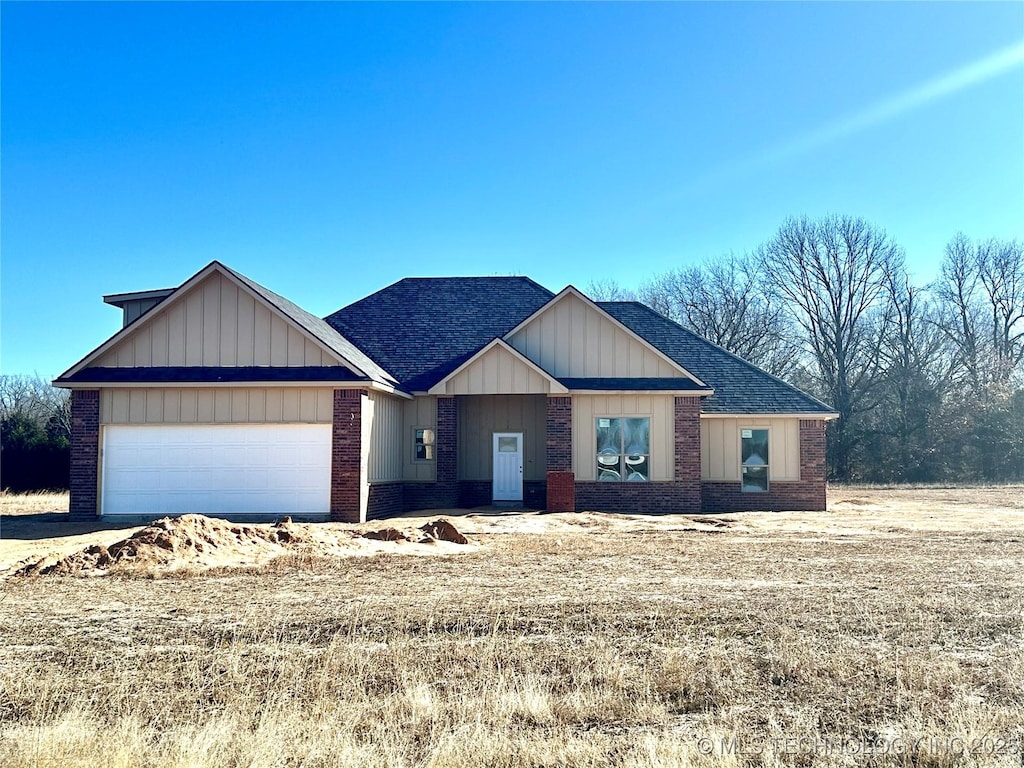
508,466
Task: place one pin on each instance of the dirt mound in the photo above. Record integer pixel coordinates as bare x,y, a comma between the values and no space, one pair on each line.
442,530
385,534
197,541
190,539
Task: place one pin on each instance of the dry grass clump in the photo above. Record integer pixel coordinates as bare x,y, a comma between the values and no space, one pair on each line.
655,646
33,502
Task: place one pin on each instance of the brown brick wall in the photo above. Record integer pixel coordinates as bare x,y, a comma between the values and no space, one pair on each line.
559,434
386,500
85,453
478,493
805,494
446,490
561,491
687,443
346,445
636,498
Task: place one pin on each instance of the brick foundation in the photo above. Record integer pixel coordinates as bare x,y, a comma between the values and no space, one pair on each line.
806,494
479,493
385,500
85,453
346,445
635,498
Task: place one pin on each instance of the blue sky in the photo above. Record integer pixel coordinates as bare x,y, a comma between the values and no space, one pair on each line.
329,149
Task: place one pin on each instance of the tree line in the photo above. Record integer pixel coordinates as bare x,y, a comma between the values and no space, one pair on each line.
928,380
35,434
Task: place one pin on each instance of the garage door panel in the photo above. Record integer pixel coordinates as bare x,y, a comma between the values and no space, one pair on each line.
216,469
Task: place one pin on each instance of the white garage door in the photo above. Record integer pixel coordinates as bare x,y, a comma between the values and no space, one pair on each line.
211,469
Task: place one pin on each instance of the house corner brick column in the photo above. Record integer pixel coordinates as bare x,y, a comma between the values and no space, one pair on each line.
812,462
687,448
561,482
85,454
346,447
446,448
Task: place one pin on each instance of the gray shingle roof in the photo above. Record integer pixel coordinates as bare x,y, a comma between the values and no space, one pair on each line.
740,387
421,329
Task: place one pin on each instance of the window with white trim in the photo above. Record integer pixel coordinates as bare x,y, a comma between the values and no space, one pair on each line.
423,444
754,460
623,449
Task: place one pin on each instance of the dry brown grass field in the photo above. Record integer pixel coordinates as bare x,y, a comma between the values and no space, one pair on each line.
888,631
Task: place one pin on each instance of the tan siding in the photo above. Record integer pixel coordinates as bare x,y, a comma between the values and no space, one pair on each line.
246,338
229,323
216,324
211,321
571,338
481,416
498,372
189,407
365,444
418,412
262,322
176,320
216,406
587,408
385,459
720,447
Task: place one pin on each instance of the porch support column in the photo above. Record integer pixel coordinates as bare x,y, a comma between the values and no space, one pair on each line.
687,447
347,498
85,454
447,451
561,482
812,462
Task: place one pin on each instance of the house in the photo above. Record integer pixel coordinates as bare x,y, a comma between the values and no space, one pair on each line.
222,397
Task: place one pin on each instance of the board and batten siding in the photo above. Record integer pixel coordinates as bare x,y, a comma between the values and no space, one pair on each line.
481,416
572,339
720,447
216,323
382,437
420,412
234,405
497,371
586,409
133,310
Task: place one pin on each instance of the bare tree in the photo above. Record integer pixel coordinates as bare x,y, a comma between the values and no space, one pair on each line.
1000,268
32,399
726,301
915,359
982,289
832,273
607,289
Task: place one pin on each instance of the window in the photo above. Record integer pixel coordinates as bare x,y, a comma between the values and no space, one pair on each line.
423,444
624,449
754,459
